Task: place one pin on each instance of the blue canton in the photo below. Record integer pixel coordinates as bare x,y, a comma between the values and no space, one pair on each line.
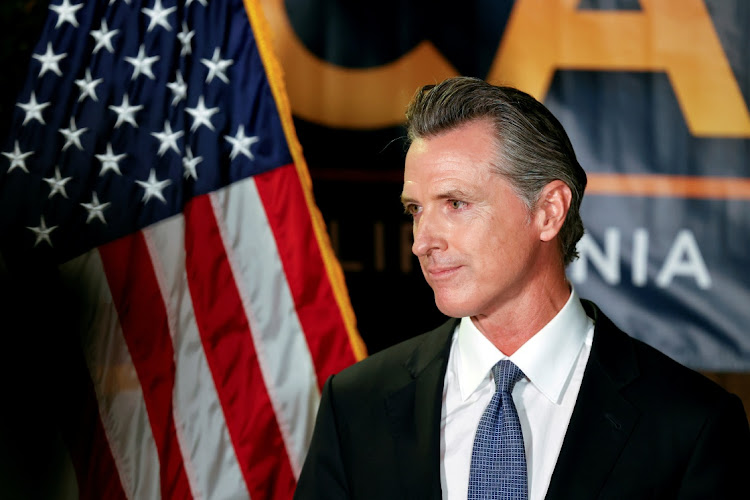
130,109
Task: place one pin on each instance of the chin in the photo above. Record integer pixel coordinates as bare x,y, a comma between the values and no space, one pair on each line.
454,307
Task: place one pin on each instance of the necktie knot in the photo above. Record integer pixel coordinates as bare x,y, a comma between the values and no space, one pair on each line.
506,374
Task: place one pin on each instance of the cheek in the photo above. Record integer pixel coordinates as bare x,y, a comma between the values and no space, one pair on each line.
498,255
468,238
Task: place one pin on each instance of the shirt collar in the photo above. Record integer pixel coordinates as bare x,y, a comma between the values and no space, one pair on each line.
547,358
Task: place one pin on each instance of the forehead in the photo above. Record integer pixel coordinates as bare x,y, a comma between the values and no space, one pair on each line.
462,155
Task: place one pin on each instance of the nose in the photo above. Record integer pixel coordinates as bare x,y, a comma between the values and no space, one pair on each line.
428,235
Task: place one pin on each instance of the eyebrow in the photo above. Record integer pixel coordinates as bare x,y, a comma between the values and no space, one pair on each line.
450,194
406,200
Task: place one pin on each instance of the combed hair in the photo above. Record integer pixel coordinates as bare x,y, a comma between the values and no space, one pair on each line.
532,146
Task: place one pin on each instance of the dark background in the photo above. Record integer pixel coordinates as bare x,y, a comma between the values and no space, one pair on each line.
357,177
357,174
619,122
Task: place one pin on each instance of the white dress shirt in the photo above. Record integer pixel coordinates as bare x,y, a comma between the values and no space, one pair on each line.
553,361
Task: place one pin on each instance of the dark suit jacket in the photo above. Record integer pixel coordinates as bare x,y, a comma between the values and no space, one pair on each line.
643,427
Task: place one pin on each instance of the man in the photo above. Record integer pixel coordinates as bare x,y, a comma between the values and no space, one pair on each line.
529,391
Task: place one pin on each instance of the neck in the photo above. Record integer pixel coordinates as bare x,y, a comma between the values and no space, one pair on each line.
512,325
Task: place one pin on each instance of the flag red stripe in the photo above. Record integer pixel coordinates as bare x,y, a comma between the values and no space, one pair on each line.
317,309
143,318
83,433
232,357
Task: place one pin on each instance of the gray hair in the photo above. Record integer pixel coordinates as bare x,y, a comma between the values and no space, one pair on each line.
533,148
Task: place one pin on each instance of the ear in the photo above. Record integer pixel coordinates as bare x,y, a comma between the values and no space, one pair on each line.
552,208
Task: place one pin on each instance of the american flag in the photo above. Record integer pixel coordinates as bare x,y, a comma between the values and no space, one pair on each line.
152,160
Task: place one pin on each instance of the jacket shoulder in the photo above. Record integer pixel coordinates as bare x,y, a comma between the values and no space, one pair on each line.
678,384
657,378
396,365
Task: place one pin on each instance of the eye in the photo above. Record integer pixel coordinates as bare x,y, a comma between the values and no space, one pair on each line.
412,209
457,204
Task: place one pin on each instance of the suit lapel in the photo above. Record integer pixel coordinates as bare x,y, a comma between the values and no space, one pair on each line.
414,415
602,418
600,425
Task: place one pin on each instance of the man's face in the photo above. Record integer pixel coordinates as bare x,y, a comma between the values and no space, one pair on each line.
475,239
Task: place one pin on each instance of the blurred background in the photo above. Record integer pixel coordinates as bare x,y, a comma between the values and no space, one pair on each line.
653,93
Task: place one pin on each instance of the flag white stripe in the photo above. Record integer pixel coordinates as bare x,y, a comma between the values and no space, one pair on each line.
214,471
164,289
283,354
118,391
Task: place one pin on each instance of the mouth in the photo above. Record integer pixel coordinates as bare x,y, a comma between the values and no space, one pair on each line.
441,273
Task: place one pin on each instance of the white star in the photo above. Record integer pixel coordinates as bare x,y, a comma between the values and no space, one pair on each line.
96,209
49,61
185,36
126,112
109,161
189,163
202,2
158,15
72,135
66,13
240,143
113,1
142,64
103,37
178,88
87,86
217,66
201,115
33,109
42,232
167,139
57,184
17,158
153,187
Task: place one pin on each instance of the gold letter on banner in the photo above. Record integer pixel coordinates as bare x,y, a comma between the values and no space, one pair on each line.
335,96
674,36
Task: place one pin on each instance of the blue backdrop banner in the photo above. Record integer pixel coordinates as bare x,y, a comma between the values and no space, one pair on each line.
654,95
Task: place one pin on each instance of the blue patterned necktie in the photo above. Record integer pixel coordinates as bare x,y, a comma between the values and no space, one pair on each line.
498,459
